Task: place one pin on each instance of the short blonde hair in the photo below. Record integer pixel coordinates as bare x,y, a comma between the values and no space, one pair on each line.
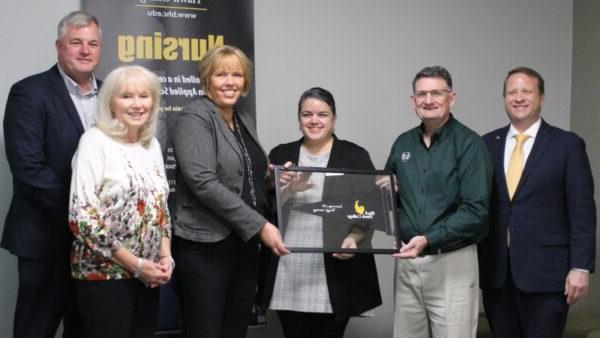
215,56
122,77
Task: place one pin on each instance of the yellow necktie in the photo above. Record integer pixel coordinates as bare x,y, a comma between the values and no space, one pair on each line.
515,166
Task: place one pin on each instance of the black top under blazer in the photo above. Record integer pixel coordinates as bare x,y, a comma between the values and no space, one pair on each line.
353,285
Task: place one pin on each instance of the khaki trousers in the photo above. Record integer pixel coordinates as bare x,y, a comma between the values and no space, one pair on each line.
437,295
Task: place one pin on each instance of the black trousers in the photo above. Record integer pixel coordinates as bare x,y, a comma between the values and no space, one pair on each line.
311,325
216,283
45,297
513,313
121,308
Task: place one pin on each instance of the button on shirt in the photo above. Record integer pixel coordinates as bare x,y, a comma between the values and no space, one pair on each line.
85,103
444,189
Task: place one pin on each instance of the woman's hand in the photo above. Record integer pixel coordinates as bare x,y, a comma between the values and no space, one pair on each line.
165,261
348,243
297,181
154,274
166,264
285,176
291,182
271,237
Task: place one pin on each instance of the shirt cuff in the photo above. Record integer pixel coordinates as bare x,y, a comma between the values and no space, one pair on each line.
581,270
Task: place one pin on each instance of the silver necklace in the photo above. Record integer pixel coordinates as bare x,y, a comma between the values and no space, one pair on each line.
249,173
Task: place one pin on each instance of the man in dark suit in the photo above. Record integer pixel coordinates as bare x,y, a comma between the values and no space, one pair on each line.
540,250
45,115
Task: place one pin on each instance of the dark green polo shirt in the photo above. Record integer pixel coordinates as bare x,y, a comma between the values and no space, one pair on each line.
444,190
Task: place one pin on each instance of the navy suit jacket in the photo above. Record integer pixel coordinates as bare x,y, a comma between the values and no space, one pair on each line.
41,132
551,219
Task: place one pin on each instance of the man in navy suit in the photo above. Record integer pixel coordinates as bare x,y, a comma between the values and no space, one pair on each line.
541,246
45,115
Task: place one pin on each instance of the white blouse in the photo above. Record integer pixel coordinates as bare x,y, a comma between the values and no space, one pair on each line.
118,199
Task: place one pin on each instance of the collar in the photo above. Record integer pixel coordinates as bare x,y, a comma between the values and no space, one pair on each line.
531,131
440,133
74,88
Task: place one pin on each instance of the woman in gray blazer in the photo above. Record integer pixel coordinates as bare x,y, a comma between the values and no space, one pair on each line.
221,203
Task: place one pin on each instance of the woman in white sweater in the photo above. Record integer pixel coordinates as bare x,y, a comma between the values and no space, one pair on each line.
118,210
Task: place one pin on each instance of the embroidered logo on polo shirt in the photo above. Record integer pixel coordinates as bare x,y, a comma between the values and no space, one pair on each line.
405,156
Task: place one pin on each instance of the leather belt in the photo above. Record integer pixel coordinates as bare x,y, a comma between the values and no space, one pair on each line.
448,248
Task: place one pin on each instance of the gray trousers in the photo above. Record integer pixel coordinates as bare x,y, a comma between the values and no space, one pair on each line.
437,295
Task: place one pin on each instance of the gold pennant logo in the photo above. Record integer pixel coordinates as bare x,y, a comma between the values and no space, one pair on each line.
359,209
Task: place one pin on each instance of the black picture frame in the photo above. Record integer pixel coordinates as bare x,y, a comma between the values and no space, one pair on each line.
351,202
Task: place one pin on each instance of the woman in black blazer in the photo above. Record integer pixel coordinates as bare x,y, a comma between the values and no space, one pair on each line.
340,285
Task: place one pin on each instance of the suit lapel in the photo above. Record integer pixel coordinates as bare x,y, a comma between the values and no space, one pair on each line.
226,132
60,89
498,144
542,139
335,154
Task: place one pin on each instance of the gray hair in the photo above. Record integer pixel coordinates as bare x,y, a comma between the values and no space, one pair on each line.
77,19
433,71
116,80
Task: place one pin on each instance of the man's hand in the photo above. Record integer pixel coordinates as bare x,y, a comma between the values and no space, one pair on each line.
383,182
271,237
413,248
576,286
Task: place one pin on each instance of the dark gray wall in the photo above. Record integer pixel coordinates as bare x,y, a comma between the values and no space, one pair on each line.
585,103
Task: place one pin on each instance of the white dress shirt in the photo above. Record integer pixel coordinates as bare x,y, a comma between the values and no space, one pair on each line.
511,141
85,103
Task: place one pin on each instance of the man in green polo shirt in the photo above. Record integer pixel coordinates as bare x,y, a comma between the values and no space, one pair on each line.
444,177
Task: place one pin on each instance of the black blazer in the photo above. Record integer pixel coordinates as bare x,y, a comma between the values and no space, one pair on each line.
552,217
353,284
41,132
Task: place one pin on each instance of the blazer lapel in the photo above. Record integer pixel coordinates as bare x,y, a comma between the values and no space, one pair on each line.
60,89
247,121
223,128
498,145
539,146
334,155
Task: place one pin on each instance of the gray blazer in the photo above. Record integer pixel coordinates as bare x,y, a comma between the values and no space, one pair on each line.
210,176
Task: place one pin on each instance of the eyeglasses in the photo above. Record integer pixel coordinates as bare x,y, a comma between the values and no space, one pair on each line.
436,94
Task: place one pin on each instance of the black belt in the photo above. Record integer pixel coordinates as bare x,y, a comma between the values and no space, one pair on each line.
448,248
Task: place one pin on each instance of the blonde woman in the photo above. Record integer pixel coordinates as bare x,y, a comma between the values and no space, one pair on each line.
221,201
118,211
